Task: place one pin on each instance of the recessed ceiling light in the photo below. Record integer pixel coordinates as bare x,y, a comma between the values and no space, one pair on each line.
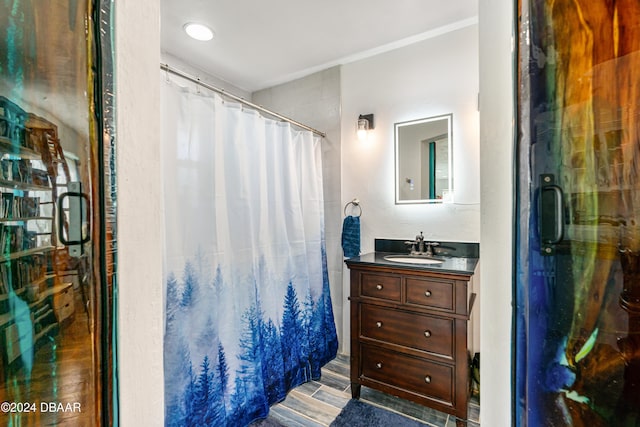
198,31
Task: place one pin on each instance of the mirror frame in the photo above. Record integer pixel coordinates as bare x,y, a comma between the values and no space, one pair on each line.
397,178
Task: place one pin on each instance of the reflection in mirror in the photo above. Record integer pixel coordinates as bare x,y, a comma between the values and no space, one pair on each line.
423,151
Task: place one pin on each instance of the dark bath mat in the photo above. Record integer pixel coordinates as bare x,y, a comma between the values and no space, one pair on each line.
359,414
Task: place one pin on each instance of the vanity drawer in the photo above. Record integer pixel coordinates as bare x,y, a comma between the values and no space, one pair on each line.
381,286
422,332
430,293
408,373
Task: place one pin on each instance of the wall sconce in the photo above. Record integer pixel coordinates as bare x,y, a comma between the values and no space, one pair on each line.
365,124
410,182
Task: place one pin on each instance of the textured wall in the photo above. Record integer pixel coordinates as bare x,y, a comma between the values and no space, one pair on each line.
496,164
140,304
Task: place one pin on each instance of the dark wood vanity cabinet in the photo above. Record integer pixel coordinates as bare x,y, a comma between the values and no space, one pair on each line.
409,335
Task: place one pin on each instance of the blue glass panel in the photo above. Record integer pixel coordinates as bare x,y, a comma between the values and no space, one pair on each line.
577,313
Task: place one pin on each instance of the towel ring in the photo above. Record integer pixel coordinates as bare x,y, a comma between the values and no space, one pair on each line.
356,203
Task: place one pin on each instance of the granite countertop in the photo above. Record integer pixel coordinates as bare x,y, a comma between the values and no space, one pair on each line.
456,265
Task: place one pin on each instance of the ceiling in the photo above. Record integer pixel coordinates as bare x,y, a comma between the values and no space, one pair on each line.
260,44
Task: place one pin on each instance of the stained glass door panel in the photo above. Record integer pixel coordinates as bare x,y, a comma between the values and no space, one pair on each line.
55,308
577,342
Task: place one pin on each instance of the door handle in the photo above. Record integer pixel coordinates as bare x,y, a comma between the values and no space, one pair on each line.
78,231
550,214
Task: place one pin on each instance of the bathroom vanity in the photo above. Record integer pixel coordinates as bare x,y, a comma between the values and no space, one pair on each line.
409,326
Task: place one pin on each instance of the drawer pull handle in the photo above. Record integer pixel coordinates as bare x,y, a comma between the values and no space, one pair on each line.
379,365
427,294
379,287
379,324
427,379
427,334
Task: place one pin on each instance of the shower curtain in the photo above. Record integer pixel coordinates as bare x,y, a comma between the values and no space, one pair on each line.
248,309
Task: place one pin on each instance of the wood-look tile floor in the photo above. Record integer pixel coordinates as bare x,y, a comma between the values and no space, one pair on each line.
318,403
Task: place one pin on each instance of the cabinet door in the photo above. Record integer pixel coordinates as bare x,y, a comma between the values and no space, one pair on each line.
57,213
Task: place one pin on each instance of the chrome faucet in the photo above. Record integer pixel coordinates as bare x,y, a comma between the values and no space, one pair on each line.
430,246
413,246
421,248
417,245
420,242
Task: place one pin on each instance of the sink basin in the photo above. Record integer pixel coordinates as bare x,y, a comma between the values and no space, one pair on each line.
405,259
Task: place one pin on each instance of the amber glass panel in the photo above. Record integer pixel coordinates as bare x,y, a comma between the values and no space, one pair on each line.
578,282
56,147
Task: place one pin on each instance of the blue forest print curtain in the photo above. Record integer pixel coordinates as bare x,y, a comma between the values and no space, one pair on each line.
248,309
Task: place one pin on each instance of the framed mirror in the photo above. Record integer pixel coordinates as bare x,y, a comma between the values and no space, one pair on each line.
423,154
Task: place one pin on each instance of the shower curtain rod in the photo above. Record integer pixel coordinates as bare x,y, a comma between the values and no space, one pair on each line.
223,92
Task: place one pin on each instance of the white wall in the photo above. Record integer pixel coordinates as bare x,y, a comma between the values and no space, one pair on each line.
205,77
496,164
139,268
436,76
430,78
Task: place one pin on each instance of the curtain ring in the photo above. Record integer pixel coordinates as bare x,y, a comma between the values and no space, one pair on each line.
356,203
